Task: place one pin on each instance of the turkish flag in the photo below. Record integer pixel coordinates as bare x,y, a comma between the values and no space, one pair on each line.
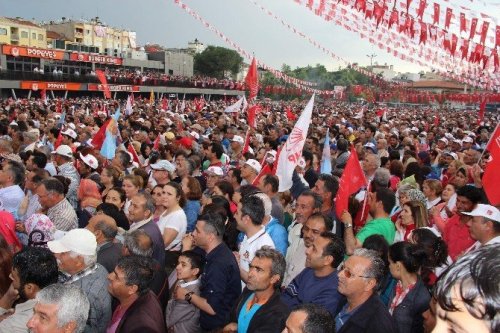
252,115
484,31
164,104
246,145
351,181
463,25
421,8
102,78
59,139
497,36
449,13
491,176
482,106
266,170
436,14
98,139
156,143
252,80
132,151
290,115
473,25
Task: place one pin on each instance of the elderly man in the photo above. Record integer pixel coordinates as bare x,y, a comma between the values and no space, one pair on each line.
471,280
141,212
161,171
11,194
249,171
59,309
59,210
76,254
87,167
484,226
358,281
214,174
33,269
63,158
309,318
139,309
261,296
108,250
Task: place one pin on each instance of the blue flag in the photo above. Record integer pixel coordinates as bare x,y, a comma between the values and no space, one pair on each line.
108,148
326,157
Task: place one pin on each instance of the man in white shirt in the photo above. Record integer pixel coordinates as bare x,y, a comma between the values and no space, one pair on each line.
249,217
11,194
484,226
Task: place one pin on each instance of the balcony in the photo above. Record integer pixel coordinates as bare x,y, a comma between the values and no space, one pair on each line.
14,37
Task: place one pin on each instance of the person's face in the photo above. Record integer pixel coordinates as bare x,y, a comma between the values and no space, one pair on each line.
184,269
217,191
246,171
129,188
393,141
113,197
29,164
295,322
136,211
238,217
44,197
170,198
448,192
304,208
464,205
82,168
106,179
428,192
44,319
477,227
460,180
180,162
160,175
314,254
403,198
212,180
395,269
458,321
157,195
68,264
117,283
406,217
260,276
351,276
311,230
199,234
315,162
369,163
430,316
5,174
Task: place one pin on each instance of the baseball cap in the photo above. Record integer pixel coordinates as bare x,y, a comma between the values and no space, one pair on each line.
81,241
90,160
487,211
63,150
163,165
238,139
468,139
452,154
445,140
69,132
371,145
457,141
254,164
195,135
185,142
197,127
215,170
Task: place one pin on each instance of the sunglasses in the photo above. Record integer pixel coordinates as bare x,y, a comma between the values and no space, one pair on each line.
348,274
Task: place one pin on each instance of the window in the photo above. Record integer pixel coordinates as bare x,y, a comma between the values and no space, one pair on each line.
3,31
87,32
24,34
33,35
40,37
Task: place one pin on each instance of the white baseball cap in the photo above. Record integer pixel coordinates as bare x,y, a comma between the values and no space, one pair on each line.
487,211
69,132
238,139
81,241
215,170
468,139
163,165
90,160
445,140
63,150
254,164
195,135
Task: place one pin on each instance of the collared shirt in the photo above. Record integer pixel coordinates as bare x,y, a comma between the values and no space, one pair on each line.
16,323
69,279
33,206
10,199
137,225
68,170
63,216
478,244
295,254
250,245
432,203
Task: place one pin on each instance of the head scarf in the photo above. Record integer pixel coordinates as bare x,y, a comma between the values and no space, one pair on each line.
8,231
88,190
40,230
417,195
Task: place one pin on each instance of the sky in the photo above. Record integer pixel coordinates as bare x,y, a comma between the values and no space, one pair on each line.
163,22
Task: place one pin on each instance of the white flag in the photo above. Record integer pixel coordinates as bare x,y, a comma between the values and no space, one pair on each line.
128,107
235,107
292,150
183,105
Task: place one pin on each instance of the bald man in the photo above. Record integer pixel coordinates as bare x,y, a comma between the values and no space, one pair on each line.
108,249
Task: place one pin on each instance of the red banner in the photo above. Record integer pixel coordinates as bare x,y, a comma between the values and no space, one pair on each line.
36,85
100,87
100,59
32,52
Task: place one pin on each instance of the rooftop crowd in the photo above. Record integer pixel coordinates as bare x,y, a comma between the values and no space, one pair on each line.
182,232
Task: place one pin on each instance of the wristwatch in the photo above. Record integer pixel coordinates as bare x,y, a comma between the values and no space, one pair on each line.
188,296
348,225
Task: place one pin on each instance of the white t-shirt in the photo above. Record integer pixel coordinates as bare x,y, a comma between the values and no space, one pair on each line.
176,220
250,245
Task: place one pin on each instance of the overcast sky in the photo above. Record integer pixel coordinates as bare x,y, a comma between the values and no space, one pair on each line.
162,22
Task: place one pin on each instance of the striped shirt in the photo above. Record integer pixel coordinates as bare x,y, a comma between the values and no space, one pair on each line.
69,171
63,216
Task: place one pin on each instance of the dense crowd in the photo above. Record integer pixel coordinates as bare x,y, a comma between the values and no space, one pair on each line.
184,229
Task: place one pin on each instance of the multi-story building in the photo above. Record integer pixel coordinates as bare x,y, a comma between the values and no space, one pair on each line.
20,32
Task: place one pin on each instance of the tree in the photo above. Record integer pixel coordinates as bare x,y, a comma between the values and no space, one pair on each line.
217,62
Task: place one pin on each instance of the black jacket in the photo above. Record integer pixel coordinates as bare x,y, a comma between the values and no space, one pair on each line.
269,318
372,316
109,254
408,314
144,315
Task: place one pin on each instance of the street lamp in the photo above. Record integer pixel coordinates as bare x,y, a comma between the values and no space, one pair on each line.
371,56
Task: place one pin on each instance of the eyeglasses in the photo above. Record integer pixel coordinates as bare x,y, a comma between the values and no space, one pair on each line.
348,274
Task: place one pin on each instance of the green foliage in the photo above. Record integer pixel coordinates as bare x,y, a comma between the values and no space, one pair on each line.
217,62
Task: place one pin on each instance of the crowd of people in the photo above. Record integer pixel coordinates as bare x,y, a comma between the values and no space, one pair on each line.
185,229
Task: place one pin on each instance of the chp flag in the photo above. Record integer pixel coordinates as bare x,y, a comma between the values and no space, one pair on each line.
292,149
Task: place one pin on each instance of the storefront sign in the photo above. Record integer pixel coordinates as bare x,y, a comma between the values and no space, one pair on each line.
36,85
22,51
85,57
113,87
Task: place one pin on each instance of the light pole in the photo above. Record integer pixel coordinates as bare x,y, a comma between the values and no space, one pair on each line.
371,56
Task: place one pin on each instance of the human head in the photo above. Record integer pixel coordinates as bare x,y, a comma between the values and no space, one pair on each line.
381,178
110,176
173,195
103,227
189,265
326,186
142,206
269,184
381,201
131,185
137,243
405,257
11,173
370,164
316,224
326,251
59,309
432,188
131,277
309,318
33,269
209,230
50,192
116,196
468,293
192,188
250,213
37,160
308,202
266,270
414,212
485,223
467,198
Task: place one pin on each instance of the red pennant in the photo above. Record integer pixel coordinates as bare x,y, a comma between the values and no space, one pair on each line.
394,18
246,145
164,103
497,36
482,106
421,8
494,55
156,143
463,23
102,78
465,48
436,14
449,13
351,181
59,139
290,115
252,115
436,121
266,170
473,24
491,177
252,80
453,44
484,31
423,32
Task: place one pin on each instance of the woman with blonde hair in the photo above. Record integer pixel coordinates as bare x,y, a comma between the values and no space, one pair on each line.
432,189
413,216
110,177
132,184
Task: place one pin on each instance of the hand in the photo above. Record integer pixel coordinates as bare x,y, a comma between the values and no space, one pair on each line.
10,296
399,225
180,293
346,218
230,328
187,242
434,211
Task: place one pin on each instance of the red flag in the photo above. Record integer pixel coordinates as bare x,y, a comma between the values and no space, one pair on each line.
449,13
497,36
463,26
98,139
246,145
351,181
164,103
43,95
58,106
275,164
102,78
436,121
473,24
252,80
135,157
252,115
266,170
421,8
59,139
436,14
482,106
156,144
290,115
484,31
491,176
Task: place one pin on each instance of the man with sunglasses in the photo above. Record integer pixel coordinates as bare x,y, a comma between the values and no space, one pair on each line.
359,277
